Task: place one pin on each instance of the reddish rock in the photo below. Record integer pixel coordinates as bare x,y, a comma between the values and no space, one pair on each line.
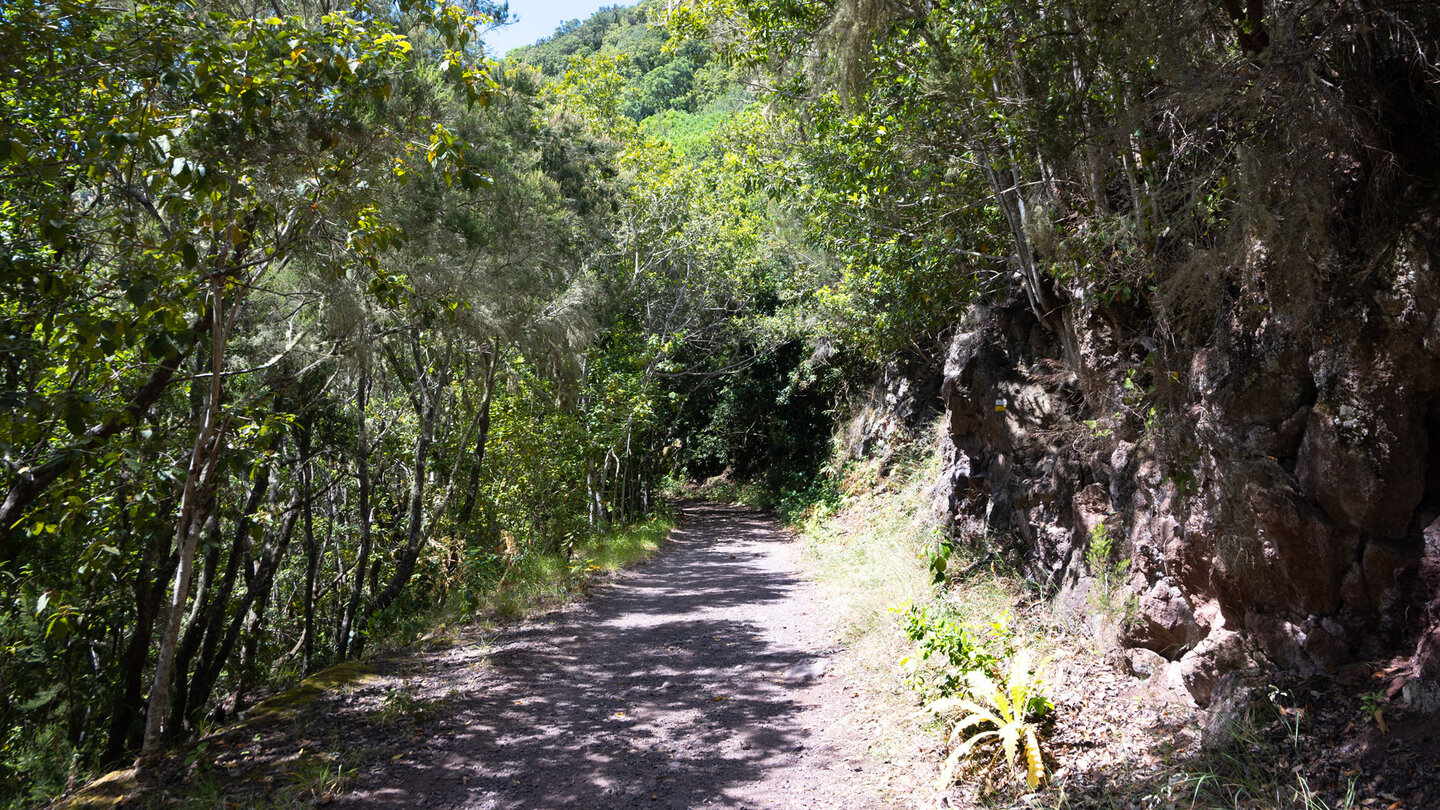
1271,478
1164,622
1363,465
1303,558
1201,669
1427,652
1092,507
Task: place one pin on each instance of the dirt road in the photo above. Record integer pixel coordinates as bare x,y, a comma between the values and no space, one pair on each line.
700,679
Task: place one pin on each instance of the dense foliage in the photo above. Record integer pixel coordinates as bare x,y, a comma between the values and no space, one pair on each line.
319,326
312,318
660,74
1107,152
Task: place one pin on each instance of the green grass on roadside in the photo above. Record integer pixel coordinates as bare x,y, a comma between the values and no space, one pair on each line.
535,582
867,550
628,545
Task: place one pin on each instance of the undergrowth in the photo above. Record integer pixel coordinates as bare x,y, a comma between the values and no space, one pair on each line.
509,584
930,621
868,547
874,547
915,636
533,580
793,497
1254,761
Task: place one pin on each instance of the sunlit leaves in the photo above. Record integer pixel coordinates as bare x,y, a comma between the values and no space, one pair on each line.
158,160
765,33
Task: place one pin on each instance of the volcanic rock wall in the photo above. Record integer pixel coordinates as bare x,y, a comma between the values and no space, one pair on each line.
1276,489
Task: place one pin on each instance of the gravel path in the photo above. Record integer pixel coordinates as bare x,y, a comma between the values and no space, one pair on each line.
700,679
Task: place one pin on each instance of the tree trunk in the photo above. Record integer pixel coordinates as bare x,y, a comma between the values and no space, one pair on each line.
194,625
431,389
362,557
312,554
198,475
467,507
214,650
592,494
257,600
125,728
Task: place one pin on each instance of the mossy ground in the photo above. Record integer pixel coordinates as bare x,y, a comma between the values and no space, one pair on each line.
284,705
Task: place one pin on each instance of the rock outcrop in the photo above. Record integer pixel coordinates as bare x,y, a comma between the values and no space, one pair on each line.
899,407
1275,486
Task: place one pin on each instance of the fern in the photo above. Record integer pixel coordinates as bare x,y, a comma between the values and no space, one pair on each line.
1008,708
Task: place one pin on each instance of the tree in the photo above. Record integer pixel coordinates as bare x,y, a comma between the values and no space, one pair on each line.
163,168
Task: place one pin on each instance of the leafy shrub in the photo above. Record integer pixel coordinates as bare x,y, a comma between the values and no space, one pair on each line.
957,650
968,678
819,498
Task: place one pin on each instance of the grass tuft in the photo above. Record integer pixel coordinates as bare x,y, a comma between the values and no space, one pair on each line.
536,582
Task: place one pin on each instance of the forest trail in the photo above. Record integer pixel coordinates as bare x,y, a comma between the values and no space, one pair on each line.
701,679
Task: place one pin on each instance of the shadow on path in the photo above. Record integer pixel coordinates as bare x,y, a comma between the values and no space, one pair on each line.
681,684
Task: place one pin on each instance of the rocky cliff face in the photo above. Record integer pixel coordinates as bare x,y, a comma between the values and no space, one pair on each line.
897,409
1255,422
1275,486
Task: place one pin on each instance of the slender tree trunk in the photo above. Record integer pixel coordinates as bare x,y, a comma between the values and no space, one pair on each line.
431,391
601,497
194,626
258,600
214,650
312,554
125,730
629,474
467,507
592,494
362,557
259,581
198,475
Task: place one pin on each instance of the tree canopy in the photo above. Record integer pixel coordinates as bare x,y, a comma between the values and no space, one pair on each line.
316,322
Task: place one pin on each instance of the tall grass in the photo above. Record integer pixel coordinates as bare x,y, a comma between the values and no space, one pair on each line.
868,548
534,581
869,551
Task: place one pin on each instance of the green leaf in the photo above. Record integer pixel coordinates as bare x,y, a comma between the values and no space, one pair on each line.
138,293
59,626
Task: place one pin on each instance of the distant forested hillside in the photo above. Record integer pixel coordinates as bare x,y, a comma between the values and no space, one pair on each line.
685,76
